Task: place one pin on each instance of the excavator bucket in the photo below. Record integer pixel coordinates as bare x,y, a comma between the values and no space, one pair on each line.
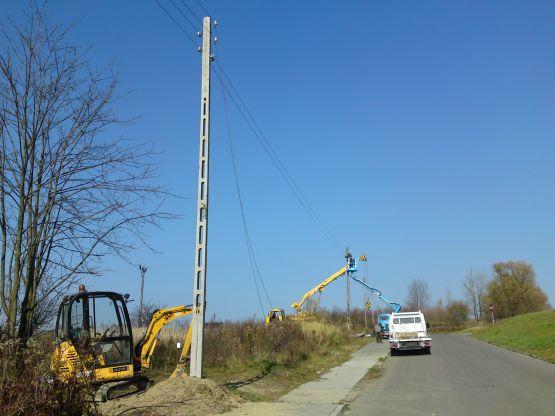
180,370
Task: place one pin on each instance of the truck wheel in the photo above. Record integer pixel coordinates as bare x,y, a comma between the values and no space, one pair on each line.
428,350
393,352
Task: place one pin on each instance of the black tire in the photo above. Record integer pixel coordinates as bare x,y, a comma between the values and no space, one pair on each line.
428,350
393,352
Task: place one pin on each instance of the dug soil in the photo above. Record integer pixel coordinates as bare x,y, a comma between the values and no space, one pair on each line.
174,397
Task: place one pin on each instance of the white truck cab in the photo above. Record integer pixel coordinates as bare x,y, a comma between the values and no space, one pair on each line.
408,331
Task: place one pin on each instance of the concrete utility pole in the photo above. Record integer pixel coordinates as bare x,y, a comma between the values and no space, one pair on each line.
143,270
199,289
348,275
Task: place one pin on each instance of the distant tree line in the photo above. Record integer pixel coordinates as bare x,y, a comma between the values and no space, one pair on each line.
511,290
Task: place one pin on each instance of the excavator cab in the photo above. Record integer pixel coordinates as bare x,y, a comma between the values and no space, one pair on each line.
275,315
93,333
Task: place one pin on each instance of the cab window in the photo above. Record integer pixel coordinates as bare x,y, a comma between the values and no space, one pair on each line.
78,323
111,340
61,321
107,318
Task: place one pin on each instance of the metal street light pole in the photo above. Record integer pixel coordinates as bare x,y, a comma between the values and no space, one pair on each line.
143,270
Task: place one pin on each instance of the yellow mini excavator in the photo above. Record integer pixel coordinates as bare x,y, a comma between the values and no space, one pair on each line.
95,341
276,315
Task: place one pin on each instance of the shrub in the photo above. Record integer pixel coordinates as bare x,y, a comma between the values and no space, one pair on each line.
28,387
251,345
457,312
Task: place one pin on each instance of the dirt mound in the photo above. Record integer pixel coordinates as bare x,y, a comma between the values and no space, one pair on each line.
174,397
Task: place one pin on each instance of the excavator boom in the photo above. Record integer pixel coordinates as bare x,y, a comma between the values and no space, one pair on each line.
144,349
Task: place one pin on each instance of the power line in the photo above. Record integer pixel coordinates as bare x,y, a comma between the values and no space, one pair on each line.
176,22
191,11
276,163
250,248
259,135
184,15
203,8
267,146
281,168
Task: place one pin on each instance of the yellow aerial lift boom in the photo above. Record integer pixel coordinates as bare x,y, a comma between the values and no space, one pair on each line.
351,266
94,339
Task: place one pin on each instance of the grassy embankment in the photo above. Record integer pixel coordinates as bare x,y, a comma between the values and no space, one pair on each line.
260,363
532,333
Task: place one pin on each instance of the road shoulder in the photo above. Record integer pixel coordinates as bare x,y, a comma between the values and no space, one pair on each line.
324,396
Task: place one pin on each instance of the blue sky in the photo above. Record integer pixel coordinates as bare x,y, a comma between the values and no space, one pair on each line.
421,132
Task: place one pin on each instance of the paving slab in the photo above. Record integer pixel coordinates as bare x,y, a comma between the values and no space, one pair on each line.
322,396
283,409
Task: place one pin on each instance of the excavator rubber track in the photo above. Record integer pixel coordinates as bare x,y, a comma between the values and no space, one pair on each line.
117,389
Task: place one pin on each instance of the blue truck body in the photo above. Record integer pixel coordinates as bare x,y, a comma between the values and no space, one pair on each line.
383,321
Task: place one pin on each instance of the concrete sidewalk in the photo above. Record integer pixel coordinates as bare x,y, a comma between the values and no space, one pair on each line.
322,396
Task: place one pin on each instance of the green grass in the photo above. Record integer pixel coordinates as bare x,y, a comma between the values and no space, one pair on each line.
284,378
532,333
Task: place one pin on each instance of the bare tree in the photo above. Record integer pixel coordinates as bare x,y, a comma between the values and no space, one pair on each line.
69,194
475,286
140,317
418,296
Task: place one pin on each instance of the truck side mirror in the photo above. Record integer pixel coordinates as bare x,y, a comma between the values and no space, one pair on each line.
427,325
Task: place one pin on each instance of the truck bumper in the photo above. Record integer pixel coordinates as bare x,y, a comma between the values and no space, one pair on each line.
410,344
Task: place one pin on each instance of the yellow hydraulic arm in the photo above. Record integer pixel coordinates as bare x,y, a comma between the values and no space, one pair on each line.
144,349
298,306
351,266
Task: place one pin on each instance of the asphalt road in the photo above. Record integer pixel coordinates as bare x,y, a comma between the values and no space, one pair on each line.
463,376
